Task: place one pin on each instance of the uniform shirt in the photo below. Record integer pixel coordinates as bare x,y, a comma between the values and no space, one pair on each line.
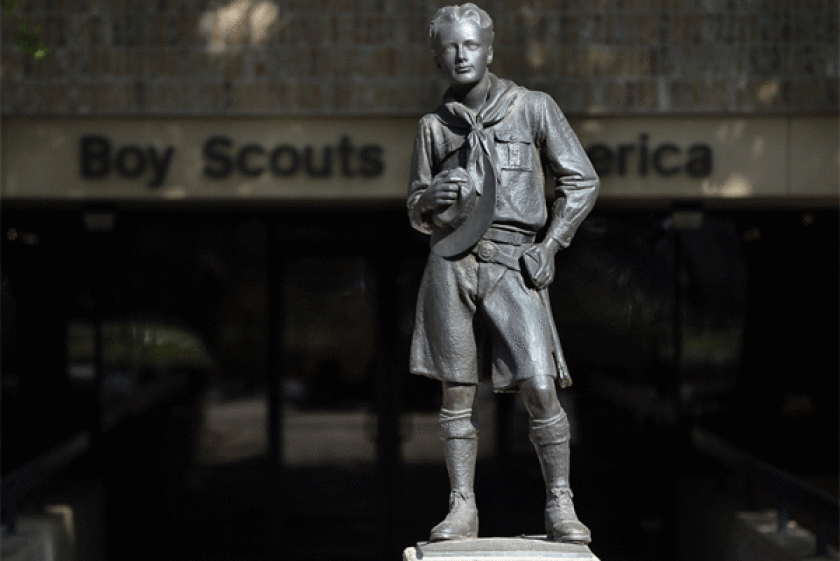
532,132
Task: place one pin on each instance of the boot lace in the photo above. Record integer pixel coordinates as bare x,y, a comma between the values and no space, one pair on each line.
560,501
458,499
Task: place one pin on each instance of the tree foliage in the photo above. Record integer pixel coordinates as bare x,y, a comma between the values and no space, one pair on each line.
29,41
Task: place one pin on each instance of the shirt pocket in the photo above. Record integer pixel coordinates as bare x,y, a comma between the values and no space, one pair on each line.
515,151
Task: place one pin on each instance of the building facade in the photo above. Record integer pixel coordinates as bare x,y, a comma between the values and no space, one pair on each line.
206,261
333,57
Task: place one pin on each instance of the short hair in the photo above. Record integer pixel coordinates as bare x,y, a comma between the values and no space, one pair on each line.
453,14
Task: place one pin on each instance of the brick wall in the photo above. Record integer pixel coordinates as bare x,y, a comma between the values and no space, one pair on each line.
292,57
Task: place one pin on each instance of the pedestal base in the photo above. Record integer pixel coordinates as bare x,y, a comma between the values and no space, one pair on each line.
530,548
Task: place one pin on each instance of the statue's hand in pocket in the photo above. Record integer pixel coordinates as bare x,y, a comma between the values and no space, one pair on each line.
538,262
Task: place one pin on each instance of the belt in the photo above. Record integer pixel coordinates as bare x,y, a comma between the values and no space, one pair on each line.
506,255
508,236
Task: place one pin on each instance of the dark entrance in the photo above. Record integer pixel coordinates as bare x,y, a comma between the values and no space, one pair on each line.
242,374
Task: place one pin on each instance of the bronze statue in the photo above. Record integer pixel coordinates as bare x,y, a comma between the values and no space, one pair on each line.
477,187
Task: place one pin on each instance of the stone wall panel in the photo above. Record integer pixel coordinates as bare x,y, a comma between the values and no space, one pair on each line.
372,56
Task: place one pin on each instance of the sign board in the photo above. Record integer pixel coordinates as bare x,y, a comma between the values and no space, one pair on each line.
367,159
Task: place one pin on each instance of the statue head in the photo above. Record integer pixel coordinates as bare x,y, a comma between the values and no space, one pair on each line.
461,38
453,14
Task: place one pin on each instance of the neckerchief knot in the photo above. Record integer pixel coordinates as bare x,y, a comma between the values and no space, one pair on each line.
500,101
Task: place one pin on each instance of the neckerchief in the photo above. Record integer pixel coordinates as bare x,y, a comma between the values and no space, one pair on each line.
455,115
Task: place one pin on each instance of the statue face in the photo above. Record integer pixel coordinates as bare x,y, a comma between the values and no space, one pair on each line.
462,53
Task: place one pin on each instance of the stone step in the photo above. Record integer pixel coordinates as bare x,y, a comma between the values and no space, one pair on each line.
525,548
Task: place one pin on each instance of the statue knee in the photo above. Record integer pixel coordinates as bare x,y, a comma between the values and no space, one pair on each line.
540,397
458,397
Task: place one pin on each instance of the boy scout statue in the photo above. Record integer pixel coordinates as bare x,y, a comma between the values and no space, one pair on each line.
477,187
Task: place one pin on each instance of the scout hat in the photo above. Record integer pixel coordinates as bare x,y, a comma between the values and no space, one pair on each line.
462,224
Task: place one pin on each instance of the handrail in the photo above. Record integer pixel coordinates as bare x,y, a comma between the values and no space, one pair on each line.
786,489
37,472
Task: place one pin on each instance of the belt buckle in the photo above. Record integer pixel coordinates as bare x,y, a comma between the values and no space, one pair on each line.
486,250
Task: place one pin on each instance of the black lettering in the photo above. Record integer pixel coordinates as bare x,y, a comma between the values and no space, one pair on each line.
624,150
160,165
658,156
130,161
95,156
643,154
371,158
699,160
325,170
345,152
213,153
601,157
279,154
243,161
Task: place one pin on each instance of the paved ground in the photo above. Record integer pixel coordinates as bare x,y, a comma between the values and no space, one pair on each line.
645,497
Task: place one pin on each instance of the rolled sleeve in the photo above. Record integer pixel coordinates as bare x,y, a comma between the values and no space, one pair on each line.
421,177
576,183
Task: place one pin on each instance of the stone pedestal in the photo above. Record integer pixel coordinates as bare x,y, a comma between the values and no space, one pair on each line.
533,548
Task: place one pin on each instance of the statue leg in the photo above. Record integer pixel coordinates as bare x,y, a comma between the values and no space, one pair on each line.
460,447
549,432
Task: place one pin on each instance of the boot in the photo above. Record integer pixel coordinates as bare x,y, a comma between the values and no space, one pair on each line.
460,448
551,439
462,520
561,522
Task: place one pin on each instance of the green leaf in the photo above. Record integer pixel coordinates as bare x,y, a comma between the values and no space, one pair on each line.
29,42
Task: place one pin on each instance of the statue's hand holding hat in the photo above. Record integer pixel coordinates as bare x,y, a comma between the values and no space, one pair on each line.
454,215
461,224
